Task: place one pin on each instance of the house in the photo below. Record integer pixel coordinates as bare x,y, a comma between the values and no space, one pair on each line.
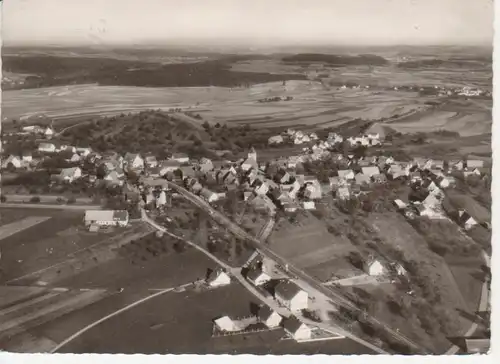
336,182
206,165
309,205
400,204
247,195
48,132
375,268
133,161
465,220
291,296
297,329
262,188
187,172
218,278
313,190
208,195
277,139
343,193
248,164
74,158
257,277
180,157
114,178
150,161
47,147
70,174
168,166
370,171
475,345
459,166
27,157
346,174
225,324
269,317
362,179
415,177
379,178
106,217
12,162
264,203
84,151
446,181
67,148
161,199
474,163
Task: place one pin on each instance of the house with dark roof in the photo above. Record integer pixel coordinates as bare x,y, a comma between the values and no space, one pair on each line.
297,329
269,317
257,277
291,296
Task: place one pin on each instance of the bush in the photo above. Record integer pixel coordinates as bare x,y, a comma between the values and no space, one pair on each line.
71,200
35,199
3,198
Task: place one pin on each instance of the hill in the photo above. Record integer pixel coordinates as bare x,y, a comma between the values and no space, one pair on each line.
336,60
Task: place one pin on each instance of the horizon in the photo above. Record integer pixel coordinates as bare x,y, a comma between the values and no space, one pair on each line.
239,23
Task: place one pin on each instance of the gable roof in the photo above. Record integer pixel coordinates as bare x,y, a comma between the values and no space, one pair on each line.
287,289
293,324
370,171
265,312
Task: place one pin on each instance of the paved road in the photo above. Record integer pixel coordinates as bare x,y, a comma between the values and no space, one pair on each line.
319,289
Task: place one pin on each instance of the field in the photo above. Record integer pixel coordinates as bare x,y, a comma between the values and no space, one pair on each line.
308,245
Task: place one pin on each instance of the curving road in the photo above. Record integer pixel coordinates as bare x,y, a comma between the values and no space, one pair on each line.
330,293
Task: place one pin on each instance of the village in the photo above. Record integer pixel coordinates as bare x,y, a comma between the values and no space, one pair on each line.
273,187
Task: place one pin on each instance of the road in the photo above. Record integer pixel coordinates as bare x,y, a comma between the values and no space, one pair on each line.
236,273
317,288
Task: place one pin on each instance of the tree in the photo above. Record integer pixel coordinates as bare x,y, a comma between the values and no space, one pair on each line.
71,200
35,199
3,198
356,260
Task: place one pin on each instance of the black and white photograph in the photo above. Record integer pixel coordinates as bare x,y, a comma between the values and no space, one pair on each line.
246,177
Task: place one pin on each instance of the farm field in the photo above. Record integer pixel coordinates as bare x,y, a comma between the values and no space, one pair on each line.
309,245
312,106
46,244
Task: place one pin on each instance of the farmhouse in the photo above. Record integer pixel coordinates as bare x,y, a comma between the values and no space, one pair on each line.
297,329
269,317
375,268
106,217
218,278
291,296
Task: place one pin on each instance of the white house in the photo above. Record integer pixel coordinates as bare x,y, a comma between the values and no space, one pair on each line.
48,132
180,157
161,200
226,324
248,164
400,204
269,317
309,205
13,161
297,329
474,163
346,174
134,161
74,158
262,189
277,139
70,174
46,147
84,151
208,195
467,221
218,278
375,268
291,296
370,171
343,193
106,217
313,191
257,277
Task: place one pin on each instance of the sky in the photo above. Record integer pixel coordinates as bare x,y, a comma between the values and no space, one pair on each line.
253,22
